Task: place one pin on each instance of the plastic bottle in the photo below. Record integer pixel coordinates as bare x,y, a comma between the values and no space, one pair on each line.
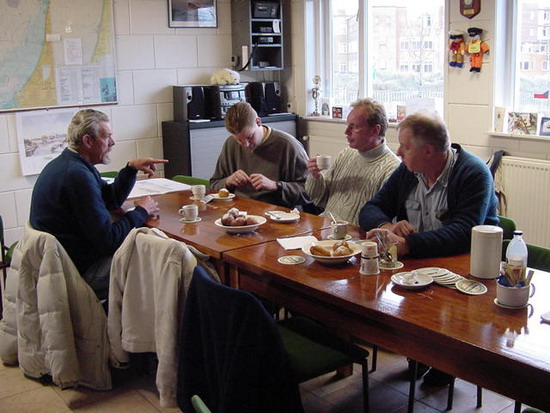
517,250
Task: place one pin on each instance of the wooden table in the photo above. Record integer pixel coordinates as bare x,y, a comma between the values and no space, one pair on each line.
504,350
214,241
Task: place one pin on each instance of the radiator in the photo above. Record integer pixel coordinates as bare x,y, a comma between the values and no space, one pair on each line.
526,185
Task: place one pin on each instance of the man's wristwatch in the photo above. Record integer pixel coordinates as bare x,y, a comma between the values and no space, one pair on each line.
279,185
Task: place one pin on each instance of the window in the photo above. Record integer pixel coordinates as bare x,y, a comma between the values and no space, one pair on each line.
526,65
532,80
400,52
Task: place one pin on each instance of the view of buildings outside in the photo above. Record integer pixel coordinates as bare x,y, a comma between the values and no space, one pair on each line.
407,52
533,74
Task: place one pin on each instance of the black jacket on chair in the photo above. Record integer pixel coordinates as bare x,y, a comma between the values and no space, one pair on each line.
231,353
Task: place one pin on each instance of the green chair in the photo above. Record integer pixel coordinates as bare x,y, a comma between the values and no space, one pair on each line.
199,405
109,174
531,410
537,257
508,225
236,356
191,180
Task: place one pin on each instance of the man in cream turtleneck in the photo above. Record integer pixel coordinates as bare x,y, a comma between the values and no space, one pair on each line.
360,170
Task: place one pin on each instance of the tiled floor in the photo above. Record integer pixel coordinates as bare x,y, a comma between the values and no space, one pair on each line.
388,392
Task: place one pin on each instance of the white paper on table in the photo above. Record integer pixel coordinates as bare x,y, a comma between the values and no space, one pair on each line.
156,186
296,243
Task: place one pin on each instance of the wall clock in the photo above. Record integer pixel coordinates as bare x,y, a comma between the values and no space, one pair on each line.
470,8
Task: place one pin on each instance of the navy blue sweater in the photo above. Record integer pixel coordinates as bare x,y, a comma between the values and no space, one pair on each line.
471,201
72,202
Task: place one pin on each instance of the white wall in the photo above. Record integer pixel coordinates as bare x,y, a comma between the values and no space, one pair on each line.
152,57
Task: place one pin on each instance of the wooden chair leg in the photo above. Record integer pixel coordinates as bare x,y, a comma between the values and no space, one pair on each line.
413,369
374,358
479,396
451,394
345,371
366,400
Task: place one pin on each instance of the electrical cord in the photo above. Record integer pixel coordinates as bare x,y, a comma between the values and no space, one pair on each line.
254,46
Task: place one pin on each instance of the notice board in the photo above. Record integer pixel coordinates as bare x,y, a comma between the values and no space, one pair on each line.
56,53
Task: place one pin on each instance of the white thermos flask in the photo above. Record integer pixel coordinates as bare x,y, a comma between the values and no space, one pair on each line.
486,251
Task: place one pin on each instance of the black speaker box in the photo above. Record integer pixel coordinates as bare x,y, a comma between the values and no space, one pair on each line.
265,97
189,103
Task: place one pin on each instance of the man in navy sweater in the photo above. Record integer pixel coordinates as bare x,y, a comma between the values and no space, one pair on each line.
73,203
432,200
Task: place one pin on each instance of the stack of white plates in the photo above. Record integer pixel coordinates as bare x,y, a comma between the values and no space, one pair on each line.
441,276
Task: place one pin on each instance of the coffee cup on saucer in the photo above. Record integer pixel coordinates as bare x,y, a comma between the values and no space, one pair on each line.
339,229
198,191
189,212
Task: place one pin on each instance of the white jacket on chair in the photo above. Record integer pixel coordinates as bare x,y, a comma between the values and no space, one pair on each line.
150,275
53,322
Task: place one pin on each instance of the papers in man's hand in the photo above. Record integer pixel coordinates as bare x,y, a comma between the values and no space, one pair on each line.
296,243
156,186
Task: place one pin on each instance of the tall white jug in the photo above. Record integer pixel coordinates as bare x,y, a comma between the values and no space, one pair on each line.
486,251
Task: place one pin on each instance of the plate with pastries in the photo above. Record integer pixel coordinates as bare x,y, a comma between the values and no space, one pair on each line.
332,251
238,222
223,195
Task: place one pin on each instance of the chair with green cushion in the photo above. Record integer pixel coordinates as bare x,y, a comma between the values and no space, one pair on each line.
191,180
109,174
531,410
199,405
508,225
239,359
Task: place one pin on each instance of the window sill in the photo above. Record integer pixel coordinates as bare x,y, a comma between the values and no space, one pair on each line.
328,119
519,136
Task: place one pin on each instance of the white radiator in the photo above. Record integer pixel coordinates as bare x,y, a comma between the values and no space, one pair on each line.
526,185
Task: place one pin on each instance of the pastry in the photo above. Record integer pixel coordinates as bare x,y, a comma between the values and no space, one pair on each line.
341,251
251,221
339,244
223,193
318,250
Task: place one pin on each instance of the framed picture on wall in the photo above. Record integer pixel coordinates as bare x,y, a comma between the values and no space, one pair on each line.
192,13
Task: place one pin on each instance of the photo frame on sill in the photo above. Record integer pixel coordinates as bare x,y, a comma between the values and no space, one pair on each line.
192,13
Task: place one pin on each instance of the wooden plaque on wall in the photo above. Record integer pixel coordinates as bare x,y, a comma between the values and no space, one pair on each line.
470,8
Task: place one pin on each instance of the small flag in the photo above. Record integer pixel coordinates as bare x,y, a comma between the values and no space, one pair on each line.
541,95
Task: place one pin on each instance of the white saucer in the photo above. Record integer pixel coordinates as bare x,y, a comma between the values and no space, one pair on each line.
509,306
421,281
190,221
397,265
216,197
346,238
283,217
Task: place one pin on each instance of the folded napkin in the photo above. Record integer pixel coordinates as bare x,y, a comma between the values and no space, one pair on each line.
296,243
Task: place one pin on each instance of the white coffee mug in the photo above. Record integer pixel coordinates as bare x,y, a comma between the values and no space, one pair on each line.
339,229
324,161
514,296
189,212
198,191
